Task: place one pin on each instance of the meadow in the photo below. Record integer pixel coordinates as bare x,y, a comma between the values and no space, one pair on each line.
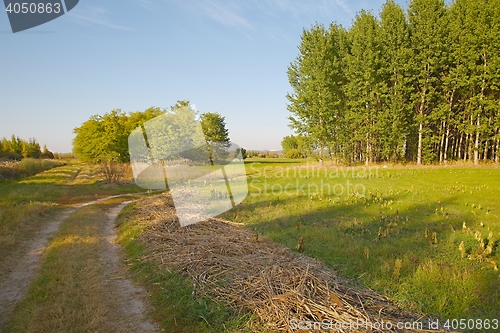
426,237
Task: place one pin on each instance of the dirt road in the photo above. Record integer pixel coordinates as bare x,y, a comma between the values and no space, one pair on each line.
127,308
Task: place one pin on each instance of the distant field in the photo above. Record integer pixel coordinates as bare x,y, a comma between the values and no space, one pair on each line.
427,237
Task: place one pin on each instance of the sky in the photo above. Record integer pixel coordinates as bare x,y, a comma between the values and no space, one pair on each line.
225,56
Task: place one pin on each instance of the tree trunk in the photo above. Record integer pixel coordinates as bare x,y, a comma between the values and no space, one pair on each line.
460,142
367,160
321,140
446,133
446,143
485,152
476,143
441,144
478,124
420,129
466,147
496,150
330,153
453,147
419,148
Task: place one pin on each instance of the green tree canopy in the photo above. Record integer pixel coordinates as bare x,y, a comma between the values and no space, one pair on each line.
216,135
106,137
295,146
169,132
17,148
316,79
421,85
214,127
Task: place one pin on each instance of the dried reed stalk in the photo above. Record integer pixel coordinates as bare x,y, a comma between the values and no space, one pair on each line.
227,264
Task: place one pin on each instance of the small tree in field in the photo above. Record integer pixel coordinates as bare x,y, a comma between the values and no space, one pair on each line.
295,146
243,152
46,153
30,149
110,170
216,134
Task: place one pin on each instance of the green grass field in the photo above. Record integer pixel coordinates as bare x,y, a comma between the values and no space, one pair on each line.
427,237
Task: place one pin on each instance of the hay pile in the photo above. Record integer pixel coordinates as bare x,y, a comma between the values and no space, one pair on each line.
231,263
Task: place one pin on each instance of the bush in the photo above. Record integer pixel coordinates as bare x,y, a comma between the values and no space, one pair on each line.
64,156
112,171
243,152
31,167
11,156
9,172
293,153
47,155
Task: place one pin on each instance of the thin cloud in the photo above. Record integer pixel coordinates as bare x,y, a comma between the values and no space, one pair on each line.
96,16
147,4
342,4
296,8
227,13
264,15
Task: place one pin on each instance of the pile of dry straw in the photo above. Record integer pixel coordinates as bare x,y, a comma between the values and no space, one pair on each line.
285,289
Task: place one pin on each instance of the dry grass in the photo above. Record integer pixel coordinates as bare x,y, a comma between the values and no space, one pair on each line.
228,263
19,223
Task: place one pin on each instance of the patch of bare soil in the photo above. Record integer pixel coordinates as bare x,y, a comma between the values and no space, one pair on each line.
127,301
250,273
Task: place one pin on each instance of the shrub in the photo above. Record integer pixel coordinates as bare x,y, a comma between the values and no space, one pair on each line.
11,156
64,156
9,172
31,167
111,171
293,153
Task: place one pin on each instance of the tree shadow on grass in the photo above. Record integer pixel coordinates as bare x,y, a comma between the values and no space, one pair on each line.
362,241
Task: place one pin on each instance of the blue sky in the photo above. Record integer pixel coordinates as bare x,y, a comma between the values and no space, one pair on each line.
224,56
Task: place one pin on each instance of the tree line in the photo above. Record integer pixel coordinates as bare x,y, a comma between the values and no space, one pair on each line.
16,148
420,84
105,137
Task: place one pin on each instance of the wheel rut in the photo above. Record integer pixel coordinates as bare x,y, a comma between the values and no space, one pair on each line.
128,302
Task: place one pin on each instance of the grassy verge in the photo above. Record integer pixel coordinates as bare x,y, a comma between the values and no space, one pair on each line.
20,223
175,304
427,237
27,205
69,292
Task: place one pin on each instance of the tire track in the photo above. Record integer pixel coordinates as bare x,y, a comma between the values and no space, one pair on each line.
128,298
20,272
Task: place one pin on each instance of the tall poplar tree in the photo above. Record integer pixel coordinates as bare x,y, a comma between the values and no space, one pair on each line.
421,87
396,56
364,86
316,80
428,41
